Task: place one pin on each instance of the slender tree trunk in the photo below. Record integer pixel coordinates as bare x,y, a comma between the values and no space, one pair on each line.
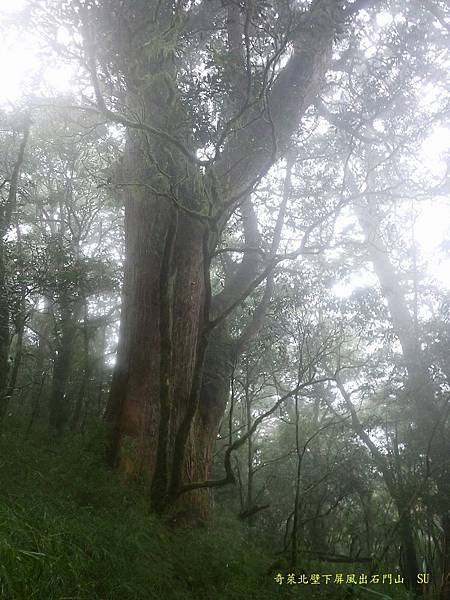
445,584
6,211
83,391
296,513
100,371
20,329
409,562
18,353
4,335
395,488
35,403
248,415
39,371
431,420
59,411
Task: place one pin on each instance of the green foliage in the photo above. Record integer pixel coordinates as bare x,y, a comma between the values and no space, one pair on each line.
69,529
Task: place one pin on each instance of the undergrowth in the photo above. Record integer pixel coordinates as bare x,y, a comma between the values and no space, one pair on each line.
70,530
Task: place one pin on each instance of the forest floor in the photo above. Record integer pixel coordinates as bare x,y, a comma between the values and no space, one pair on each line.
70,530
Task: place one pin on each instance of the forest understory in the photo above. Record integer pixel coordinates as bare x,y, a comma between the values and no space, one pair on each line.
71,529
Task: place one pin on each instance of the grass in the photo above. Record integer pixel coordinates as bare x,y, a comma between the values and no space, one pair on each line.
69,530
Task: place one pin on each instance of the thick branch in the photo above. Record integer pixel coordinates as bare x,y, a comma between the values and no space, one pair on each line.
246,514
260,312
248,267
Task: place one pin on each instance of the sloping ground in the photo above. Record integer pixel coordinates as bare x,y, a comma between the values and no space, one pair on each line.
69,530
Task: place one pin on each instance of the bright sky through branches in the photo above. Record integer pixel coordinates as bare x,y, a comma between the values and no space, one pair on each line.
25,70
12,6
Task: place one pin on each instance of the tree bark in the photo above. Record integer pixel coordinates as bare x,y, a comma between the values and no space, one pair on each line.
160,324
163,413
6,211
18,351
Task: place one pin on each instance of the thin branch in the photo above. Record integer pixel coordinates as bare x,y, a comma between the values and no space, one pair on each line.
229,475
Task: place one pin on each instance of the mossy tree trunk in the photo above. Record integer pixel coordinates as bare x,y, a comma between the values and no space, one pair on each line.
170,383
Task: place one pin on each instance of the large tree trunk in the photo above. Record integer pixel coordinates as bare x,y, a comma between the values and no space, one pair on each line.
218,368
163,419
161,320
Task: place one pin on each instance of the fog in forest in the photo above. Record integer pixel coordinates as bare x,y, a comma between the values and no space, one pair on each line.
224,299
